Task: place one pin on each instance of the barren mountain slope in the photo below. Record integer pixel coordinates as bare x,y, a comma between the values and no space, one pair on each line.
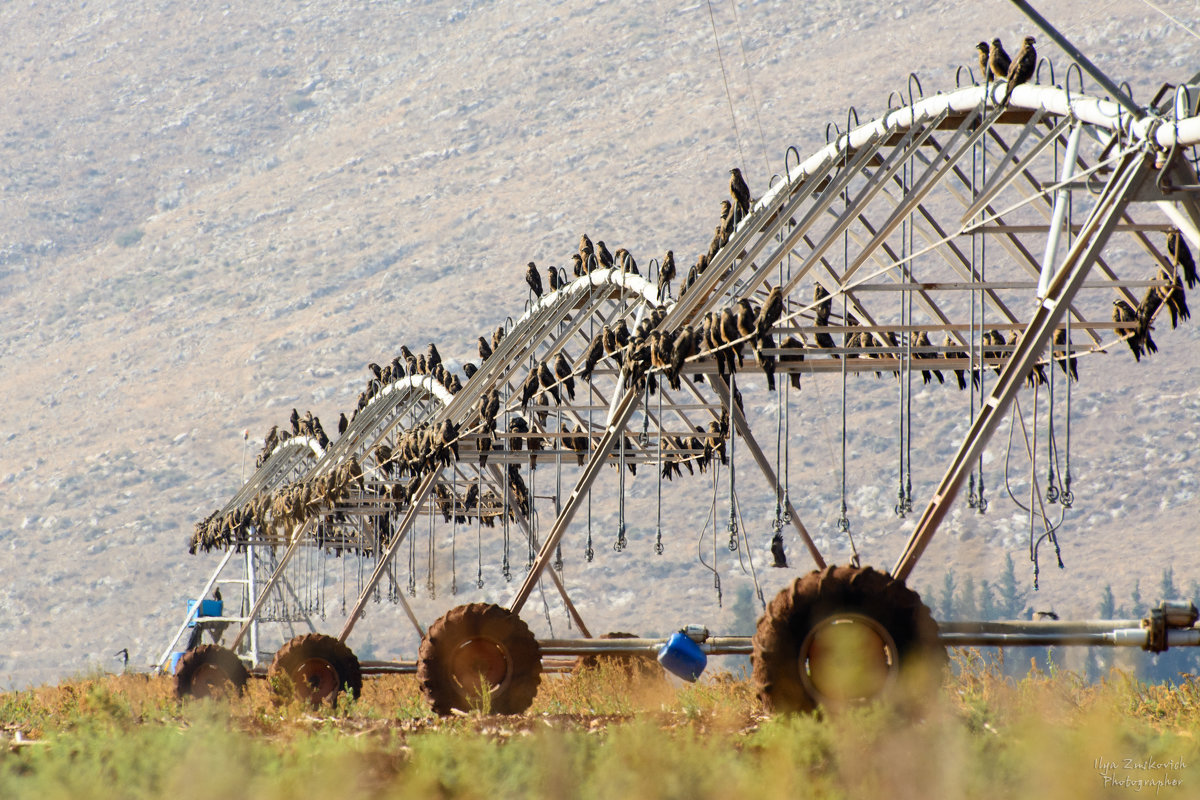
214,215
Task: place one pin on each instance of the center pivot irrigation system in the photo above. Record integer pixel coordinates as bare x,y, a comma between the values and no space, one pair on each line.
965,235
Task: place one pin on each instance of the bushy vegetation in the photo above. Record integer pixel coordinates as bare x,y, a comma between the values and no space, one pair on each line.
597,734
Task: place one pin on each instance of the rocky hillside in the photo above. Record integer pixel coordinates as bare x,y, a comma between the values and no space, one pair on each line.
214,214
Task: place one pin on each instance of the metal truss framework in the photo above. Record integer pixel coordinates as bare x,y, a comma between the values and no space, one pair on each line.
946,218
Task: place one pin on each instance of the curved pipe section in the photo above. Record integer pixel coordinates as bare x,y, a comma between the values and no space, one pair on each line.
1101,113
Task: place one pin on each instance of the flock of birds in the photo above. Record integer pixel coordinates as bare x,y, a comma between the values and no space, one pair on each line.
646,355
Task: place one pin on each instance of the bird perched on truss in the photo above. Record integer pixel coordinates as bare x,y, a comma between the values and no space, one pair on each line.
1123,312
604,257
922,340
1021,69
1068,365
533,279
546,379
961,374
434,358
587,252
562,371
998,61
740,192
556,279
666,274
984,51
530,388
1181,257
295,420
343,423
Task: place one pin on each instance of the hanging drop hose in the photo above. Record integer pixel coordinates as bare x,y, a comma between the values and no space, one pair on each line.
454,531
620,543
658,545
479,532
731,441
749,558
712,517
430,579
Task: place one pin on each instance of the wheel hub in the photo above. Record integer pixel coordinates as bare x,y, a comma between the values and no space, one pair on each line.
315,679
848,659
479,663
209,680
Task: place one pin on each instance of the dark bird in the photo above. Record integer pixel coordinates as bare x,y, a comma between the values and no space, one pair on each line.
469,369
530,388
562,371
766,360
375,370
343,423
554,278
397,369
984,50
533,279
295,420
546,379
1123,312
683,348
485,350
1038,373
740,192
517,425
497,337
1060,339
771,311
625,261
778,556
594,353
1181,257
577,265
603,256
961,374
922,340
1021,69
793,344
998,61
434,358
1175,297
666,273
587,253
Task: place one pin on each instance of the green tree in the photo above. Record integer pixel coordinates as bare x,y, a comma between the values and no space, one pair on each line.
1135,600
1011,600
1167,588
1108,605
945,604
968,607
987,601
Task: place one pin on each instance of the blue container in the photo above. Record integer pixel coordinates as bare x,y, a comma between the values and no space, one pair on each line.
683,657
208,608
174,662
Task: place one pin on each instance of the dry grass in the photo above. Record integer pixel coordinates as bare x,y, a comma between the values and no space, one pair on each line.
601,733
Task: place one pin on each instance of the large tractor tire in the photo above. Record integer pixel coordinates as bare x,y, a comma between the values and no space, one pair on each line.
843,636
318,667
210,671
479,657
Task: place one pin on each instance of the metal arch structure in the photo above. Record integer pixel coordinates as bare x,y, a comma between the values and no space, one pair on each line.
547,327
951,217
921,170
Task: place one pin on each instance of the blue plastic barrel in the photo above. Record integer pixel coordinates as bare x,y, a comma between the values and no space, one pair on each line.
174,662
683,657
208,608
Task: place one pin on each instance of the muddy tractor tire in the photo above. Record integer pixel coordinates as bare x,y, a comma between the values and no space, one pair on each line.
319,667
210,671
843,636
479,657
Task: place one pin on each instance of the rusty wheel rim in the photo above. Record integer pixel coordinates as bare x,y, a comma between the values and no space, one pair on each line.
481,662
210,680
315,679
848,659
